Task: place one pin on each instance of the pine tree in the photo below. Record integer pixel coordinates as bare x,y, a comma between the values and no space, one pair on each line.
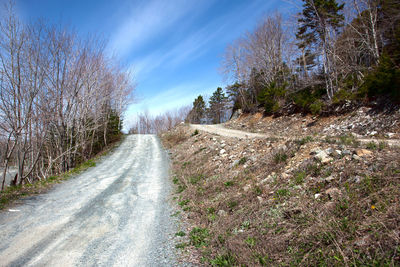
319,21
217,103
198,112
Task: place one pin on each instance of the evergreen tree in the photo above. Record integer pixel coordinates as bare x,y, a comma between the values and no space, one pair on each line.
319,21
198,111
218,102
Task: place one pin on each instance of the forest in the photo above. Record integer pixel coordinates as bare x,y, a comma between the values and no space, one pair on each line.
329,53
61,98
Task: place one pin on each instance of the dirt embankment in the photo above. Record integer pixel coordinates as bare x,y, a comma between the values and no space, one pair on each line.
309,191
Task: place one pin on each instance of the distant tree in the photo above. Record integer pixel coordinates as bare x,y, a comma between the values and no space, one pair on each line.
198,112
217,105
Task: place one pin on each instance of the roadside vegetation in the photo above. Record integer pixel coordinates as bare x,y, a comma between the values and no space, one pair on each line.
273,202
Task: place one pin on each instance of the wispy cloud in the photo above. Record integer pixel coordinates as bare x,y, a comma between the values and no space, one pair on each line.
148,20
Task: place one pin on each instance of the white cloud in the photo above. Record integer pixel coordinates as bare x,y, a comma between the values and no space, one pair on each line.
148,21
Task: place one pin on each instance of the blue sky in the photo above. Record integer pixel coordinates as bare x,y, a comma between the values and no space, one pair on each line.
172,47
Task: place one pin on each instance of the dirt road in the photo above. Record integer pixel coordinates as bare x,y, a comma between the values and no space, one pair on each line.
221,130
114,214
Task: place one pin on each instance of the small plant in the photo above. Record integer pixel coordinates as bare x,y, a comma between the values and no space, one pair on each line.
250,241
232,204
299,177
382,145
304,140
183,203
180,233
194,179
245,225
199,237
210,210
226,260
258,190
181,245
282,193
229,183
185,164
180,189
372,145
280,157
242,161
175,180
196,132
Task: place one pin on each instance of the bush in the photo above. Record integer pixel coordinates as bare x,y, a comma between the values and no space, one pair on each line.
269,97
316,107
385,79
308,99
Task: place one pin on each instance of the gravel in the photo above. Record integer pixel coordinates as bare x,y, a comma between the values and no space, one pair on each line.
114,214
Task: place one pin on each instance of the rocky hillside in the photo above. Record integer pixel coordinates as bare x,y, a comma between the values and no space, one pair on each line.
313,191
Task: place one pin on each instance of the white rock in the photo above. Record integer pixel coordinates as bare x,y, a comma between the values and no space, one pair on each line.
323,157
246,188
222,151
317,196
390,135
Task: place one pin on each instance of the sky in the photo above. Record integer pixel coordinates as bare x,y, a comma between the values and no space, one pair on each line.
173,48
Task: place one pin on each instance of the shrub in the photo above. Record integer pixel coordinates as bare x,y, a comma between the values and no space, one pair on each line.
242,161
280,156
196,132
316,107
269,97
385,79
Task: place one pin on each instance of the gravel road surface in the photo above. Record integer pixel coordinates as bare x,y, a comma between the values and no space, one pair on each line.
115,214
221,130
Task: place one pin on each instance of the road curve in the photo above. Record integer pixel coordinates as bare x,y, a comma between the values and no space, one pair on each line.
221,130
114,214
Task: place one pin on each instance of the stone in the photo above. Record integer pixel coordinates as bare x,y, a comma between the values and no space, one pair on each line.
221,213
260,199
222,151
355,157
390,135
323,157
330,178
315,151
246,188
329,151
363,152
317,196
346,152
373,133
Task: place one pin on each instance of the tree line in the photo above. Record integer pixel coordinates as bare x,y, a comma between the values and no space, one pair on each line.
147,124
217,110
328,53
61,98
